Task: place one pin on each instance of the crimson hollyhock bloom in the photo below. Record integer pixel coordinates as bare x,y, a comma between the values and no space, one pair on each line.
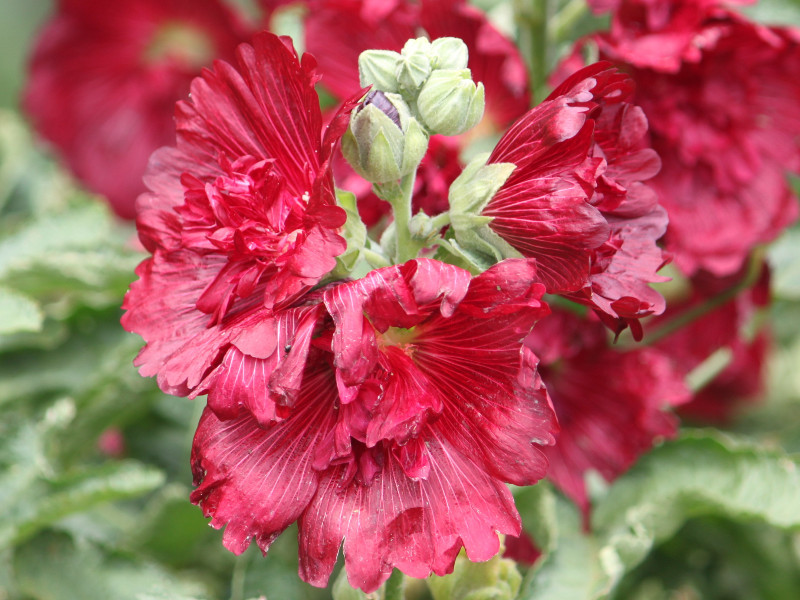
721,100
609,403
418,402
337,31
240,217
577,201
105,76
659,34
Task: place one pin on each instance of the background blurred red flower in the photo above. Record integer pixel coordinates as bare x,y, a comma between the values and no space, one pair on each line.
104,78
612,406
721,96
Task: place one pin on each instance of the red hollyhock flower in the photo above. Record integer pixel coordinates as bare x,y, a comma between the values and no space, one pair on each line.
577,202
659,34
721,100
105,76
240,216
418,402
337,31
609,403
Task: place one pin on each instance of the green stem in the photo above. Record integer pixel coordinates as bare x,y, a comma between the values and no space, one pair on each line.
400,196
238,577
533,17
563,22
750,278
440,220
395,586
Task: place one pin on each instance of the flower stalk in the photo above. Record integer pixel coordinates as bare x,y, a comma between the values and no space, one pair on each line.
400,197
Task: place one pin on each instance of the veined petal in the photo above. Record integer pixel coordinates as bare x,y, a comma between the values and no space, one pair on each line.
543,208
257,480
417,526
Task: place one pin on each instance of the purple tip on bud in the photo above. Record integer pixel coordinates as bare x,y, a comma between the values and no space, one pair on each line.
382,103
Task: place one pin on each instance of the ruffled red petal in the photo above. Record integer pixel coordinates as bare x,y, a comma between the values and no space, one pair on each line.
242,220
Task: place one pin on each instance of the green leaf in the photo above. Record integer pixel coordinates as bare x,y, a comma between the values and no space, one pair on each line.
354,232
572,568
275,576
715,558
537,507
18,312
32,492
76,493
82,228
53,567
494,579
343,591
702,473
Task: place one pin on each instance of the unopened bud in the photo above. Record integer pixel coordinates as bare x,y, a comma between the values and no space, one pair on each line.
414,65
378,68
450,103
449,53
384,142
495,579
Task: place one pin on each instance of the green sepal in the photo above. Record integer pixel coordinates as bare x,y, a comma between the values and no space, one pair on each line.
415,147
381,164
469,258
469,195
354,232
477,184
414,66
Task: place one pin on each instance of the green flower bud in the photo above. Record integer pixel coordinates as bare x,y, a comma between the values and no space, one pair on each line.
414,65
384,142
449,53
450,103
495,579
378,68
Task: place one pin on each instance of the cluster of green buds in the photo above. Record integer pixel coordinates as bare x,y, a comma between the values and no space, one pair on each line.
423,90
